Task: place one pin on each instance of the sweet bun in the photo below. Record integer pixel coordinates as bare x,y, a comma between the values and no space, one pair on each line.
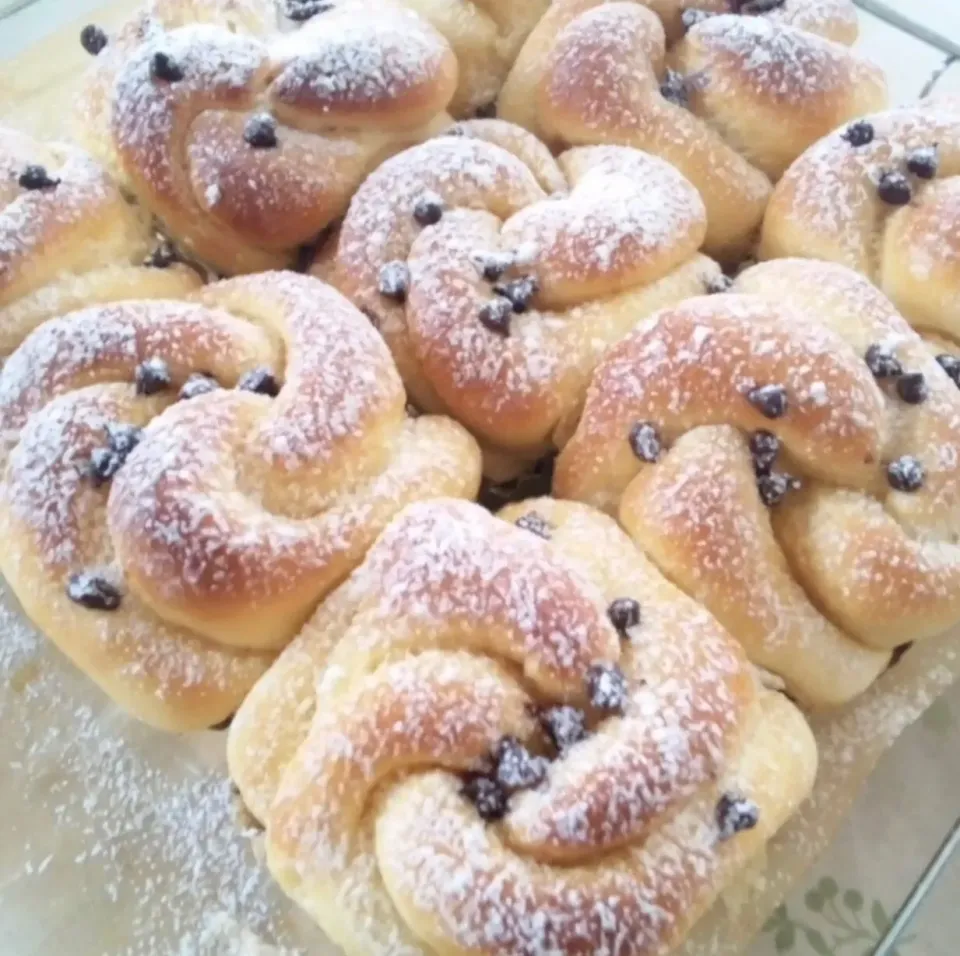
730,99
498,274
185,480
68,238
247,137
497,739
789,455
882,196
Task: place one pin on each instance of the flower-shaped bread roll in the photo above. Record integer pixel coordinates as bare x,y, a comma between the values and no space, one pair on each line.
513,740
789,455
185,480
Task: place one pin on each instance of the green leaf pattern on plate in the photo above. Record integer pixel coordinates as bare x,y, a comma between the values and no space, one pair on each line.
834,925
846,921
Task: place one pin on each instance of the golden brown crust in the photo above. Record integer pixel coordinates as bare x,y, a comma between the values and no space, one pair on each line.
829,206
730,119
850,562
448,637
598,238
235,513
71,242
349,86
346,89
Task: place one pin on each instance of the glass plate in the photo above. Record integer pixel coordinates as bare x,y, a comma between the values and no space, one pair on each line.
117,819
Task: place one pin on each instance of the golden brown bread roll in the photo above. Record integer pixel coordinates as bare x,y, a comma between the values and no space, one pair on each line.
499,275
788,454
185,480
728,97
490,743
882,196
246,133
68,238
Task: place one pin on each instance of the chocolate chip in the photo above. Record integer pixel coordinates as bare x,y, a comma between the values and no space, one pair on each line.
394,281
756,7
301,10
564,725
224,724
734,815
951,365
516,767
93,39
912,388
260,131
496,314
923,162
690,18
104,464
261,381
645,442
519,292
493,265
905,474
674,89
718,284
894,188
428,210
624,613
769,400
535,524
93,591
764,447
489,798
882,362
36,177
607,688
122,439
152,376
773,487
198,384
164,67
859,133
164,256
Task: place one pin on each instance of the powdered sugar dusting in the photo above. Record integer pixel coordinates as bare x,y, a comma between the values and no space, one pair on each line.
827,206
102,813
777,61
587,257
350,60
668,371
57,240
814,584
403,695
182,98
71,382
459,573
